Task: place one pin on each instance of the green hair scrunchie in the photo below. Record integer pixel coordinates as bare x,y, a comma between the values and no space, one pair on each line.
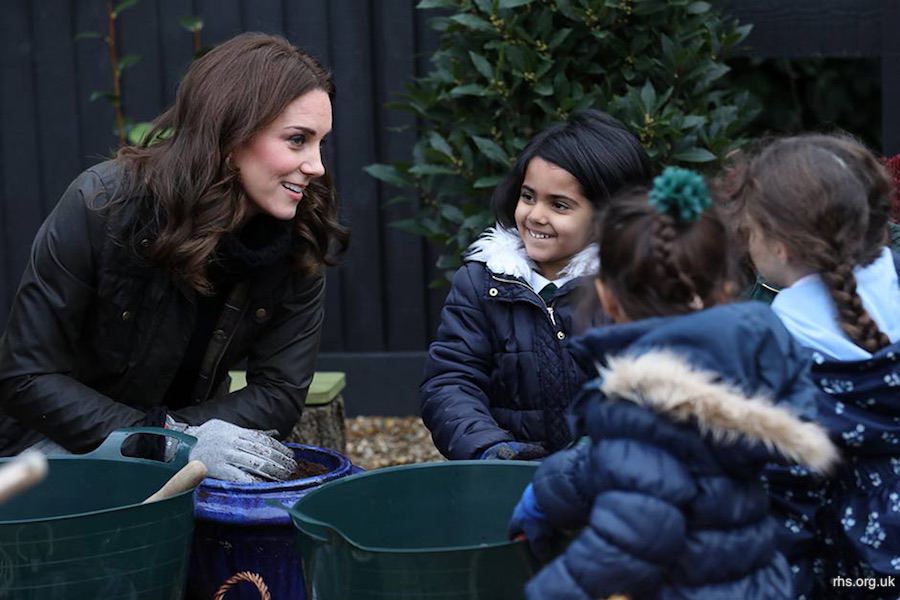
681,193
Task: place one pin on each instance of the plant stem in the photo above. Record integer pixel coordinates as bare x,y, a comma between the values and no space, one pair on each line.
116,74
198,44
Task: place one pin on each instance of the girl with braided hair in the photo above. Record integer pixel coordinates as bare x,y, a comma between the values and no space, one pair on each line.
815,210
694,397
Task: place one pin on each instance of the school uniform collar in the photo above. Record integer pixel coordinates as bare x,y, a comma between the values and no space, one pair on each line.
809,313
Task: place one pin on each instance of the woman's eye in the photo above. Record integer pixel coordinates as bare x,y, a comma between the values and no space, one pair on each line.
297,140
560,206
526,197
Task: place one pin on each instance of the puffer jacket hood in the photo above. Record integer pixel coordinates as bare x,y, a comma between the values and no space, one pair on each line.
669,385
682,419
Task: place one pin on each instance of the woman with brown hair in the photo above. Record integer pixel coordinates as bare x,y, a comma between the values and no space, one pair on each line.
160,270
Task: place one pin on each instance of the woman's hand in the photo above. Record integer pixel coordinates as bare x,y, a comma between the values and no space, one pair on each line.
232,453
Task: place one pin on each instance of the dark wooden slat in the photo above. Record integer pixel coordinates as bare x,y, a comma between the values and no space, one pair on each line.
221,19
394,27
96,124
176,45
306,26
810,27
263,15
142,83
378,383
56,97
20,151
890,80
355,147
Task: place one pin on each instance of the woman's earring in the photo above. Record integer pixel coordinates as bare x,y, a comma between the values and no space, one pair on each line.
229,163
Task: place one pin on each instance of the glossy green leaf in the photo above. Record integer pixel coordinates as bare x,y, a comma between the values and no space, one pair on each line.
472,22
191,23
488,182
491,150
386,173
482,65
438,142
437,4
128,60
88,35
124,4
505,4
696,155
698,8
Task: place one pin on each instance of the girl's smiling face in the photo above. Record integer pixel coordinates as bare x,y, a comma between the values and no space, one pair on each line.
554,218
278,163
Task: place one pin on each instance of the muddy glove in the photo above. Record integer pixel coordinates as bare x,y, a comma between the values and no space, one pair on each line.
514,451
529,519
232,453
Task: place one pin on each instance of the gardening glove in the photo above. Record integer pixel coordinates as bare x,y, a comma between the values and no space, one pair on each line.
232,453
514,451
529,519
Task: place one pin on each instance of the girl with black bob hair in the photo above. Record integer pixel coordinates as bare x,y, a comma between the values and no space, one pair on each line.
499,378
599,151
664,499
162,269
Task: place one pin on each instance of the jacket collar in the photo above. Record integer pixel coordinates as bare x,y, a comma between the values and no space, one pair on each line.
666,383
503,253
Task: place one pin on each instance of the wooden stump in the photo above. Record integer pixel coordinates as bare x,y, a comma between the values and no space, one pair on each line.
322,425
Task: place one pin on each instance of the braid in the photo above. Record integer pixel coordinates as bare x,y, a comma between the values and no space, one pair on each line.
852,316
673,285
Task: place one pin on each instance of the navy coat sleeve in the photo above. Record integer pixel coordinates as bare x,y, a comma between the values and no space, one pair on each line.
454,393
635,529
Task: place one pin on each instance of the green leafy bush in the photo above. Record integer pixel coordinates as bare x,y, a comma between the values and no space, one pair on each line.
505,69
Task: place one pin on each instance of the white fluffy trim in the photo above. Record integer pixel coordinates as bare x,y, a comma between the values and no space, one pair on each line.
503,252
666,383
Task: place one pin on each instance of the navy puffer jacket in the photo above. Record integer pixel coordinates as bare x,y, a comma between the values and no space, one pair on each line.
499,369
667,494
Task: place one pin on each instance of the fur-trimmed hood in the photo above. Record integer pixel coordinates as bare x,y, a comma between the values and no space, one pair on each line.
668,384
503,253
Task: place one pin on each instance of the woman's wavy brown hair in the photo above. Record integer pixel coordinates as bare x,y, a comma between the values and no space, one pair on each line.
813,196
228,96
656,265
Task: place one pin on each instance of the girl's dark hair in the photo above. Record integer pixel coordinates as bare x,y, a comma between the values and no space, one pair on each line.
801,192
600,152
228,96
656,265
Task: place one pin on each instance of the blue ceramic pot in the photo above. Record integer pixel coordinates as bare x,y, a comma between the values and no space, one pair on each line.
236,529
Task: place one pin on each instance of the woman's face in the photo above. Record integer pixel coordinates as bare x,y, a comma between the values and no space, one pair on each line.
277,164
553,216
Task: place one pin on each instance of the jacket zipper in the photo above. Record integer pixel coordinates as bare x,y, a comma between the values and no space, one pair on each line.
529,288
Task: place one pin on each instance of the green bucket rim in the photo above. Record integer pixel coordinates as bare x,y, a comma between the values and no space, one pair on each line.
110,451
101,511
296,513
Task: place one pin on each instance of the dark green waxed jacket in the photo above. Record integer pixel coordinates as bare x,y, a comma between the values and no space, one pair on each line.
96,333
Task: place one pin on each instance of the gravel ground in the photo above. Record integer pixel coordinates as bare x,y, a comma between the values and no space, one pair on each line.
374,442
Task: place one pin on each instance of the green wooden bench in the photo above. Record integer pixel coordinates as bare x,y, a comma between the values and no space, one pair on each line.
322,421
